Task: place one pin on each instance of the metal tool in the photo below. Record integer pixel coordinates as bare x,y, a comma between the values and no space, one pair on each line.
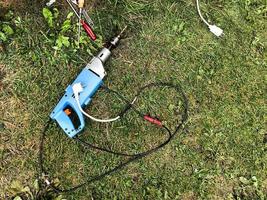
80,5
85,26
68,113
88,19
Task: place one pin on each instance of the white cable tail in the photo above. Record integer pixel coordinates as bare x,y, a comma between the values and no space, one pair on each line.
134,100
77,88
199,12
213,28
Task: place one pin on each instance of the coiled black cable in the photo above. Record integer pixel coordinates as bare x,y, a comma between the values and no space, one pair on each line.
132,157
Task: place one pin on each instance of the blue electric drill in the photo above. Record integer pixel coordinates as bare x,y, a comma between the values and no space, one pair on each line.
68,113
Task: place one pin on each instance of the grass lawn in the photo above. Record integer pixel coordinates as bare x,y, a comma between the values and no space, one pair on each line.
220,152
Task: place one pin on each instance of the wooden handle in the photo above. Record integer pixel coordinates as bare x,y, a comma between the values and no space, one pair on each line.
81,3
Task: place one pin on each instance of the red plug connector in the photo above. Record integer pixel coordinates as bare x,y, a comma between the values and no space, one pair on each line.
152,120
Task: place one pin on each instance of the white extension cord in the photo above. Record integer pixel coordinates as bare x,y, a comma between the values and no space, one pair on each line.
213,28
77,89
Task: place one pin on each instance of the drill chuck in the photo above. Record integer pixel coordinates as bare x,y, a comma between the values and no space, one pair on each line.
104,55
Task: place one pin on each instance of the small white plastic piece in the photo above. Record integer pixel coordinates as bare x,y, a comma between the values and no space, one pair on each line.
216,30
74,1
47,182
77,89
50,3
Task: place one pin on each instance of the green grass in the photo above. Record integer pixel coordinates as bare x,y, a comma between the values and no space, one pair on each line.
220,153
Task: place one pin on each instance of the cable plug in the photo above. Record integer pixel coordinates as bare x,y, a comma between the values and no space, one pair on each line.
77,89
216,30
152,120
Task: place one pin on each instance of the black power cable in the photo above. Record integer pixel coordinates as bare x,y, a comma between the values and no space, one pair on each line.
132,157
